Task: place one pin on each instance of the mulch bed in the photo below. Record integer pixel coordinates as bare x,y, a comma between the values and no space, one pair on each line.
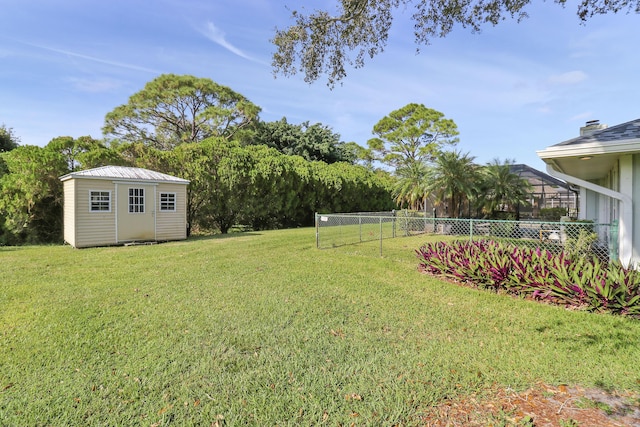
541,406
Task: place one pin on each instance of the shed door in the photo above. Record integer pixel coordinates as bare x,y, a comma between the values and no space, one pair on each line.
136,212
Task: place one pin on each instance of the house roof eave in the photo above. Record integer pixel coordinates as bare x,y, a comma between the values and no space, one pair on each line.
589,149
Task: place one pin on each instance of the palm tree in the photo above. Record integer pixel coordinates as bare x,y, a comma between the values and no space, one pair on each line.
410,187
505,190
453,179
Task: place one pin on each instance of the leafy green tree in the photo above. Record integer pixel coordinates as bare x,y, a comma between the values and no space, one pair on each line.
8,139
286,191
321,143
321,43
176,109
411,189
453,181
312,142
360,155
503,190
219,171
31,192
84,152
31,195
354,188
413,133
278,190
259,186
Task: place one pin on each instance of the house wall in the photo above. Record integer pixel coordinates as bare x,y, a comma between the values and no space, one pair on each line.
69,212
600,208
609,208
93,228
596,206
623,178
636,208
590,205
172,225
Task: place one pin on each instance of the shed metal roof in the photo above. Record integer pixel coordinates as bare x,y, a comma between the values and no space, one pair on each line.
124,173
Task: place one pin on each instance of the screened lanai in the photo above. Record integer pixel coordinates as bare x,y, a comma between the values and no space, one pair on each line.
546,192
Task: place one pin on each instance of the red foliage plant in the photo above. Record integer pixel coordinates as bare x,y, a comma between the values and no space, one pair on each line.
583,282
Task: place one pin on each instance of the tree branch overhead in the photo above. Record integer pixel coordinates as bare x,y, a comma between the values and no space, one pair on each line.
320,44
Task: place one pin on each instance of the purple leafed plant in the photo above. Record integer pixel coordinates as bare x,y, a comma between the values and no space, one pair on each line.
536,273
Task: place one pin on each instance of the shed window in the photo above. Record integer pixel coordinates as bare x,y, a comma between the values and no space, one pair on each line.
167,202
100,201
136,200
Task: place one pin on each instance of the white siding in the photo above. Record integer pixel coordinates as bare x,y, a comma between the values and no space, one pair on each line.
94,228
172,225
69,212
85,228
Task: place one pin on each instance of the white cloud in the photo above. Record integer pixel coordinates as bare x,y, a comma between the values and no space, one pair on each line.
95,86
587,115
93,58
217,36
568,78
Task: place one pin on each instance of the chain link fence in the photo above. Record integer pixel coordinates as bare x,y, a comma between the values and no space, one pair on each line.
580,238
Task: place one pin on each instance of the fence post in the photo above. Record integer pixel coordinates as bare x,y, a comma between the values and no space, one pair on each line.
435,223
380,236
470,229
317,232
406,224
393,212
360,224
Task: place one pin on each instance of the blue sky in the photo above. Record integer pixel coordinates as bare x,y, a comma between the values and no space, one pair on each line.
512,89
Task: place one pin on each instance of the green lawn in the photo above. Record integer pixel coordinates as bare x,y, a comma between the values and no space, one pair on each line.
264,329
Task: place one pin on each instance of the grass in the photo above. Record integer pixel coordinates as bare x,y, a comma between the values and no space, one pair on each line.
265,329
339,231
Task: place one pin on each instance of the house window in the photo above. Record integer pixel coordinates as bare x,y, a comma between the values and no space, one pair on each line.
100,201
167,202
136,200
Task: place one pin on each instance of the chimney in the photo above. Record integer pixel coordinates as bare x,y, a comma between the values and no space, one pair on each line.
591,126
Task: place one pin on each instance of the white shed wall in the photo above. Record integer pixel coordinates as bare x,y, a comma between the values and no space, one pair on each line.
172,225
83,228
93,228
69,212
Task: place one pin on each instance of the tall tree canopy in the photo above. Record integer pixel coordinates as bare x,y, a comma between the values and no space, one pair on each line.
414,133
312,142
30,188
174,109
322,43
31,195
84,152
412,188
453,181
503,190
8,139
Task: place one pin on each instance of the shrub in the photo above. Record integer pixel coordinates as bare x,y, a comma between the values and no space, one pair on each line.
581,244
581,282
552,214
574,227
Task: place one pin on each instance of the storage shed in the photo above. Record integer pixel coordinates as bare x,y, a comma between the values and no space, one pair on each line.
113,205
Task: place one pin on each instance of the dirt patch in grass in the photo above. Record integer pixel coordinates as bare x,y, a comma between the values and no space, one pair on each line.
541,406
